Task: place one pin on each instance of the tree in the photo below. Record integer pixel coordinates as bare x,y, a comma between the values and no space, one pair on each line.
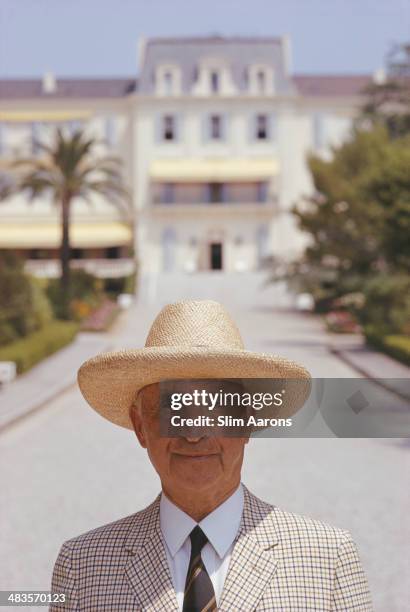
387,102
358,220
359,214
24,307
6,185
70,169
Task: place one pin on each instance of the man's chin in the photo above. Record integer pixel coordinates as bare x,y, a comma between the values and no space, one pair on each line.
197,472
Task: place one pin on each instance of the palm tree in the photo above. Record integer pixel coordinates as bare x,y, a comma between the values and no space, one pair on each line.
6,185
70,169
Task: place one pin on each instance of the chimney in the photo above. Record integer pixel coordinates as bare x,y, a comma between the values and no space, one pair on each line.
287,54
49,83
141,48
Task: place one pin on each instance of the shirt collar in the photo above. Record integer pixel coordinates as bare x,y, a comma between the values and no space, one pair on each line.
220,526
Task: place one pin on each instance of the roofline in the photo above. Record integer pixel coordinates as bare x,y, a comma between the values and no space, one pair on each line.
213,39
327,75
135,78
38,79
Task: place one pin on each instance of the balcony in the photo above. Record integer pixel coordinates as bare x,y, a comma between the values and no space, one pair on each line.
240,197
265,209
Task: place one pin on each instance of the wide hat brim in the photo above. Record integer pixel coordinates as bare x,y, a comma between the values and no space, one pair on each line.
110,381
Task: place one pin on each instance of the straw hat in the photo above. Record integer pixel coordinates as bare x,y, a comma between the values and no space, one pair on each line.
187,340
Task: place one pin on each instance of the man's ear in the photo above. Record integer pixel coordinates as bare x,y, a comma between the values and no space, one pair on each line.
135,414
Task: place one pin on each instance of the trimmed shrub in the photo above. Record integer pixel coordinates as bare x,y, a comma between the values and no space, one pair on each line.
123,284
42,311
28,351
84,287
386,308
396,346
24,307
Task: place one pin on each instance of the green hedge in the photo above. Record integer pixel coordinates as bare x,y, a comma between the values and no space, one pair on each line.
28,351
396,346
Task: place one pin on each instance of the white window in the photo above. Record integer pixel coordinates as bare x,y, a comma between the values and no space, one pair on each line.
168,83
168,80
213,77
214,81
261,81
168,127
261,127
215,127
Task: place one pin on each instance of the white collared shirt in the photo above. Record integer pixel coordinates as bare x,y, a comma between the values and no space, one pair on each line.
220,527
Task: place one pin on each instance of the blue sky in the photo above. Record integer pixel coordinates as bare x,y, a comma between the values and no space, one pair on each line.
99,37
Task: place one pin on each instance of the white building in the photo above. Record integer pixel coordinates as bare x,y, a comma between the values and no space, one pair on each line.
30,112
214,134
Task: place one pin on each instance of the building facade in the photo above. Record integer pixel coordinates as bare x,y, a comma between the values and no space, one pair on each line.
214,134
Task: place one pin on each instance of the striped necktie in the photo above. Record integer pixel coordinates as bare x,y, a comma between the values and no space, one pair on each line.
199,594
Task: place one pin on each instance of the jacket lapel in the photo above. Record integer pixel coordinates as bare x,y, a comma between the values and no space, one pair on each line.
147,570
253,563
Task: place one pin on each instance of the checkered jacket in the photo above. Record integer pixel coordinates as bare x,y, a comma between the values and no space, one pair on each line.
280,562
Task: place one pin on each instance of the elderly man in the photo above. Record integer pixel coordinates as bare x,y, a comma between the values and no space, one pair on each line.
206,543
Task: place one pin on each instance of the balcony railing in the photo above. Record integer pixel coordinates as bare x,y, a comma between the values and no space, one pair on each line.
102,268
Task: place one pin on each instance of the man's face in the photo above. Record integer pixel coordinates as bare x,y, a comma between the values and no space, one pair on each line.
185,464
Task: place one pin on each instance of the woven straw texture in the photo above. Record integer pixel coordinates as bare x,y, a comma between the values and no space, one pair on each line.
188,339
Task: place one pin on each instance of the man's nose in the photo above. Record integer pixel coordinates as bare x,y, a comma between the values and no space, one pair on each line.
193,440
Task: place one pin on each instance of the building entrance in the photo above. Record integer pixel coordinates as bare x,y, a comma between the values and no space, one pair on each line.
215,256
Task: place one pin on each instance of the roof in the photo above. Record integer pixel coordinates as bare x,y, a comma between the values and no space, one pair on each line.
68,88
329,85
237,52
307,85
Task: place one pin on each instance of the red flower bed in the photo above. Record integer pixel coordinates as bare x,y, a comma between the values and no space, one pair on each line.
341,321
102,317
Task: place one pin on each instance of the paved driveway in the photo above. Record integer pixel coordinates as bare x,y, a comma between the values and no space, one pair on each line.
65,470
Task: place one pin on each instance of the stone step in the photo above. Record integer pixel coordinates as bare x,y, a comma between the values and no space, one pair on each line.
247,289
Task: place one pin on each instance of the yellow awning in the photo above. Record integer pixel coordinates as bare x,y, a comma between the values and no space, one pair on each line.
44,116
48,236
192,170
